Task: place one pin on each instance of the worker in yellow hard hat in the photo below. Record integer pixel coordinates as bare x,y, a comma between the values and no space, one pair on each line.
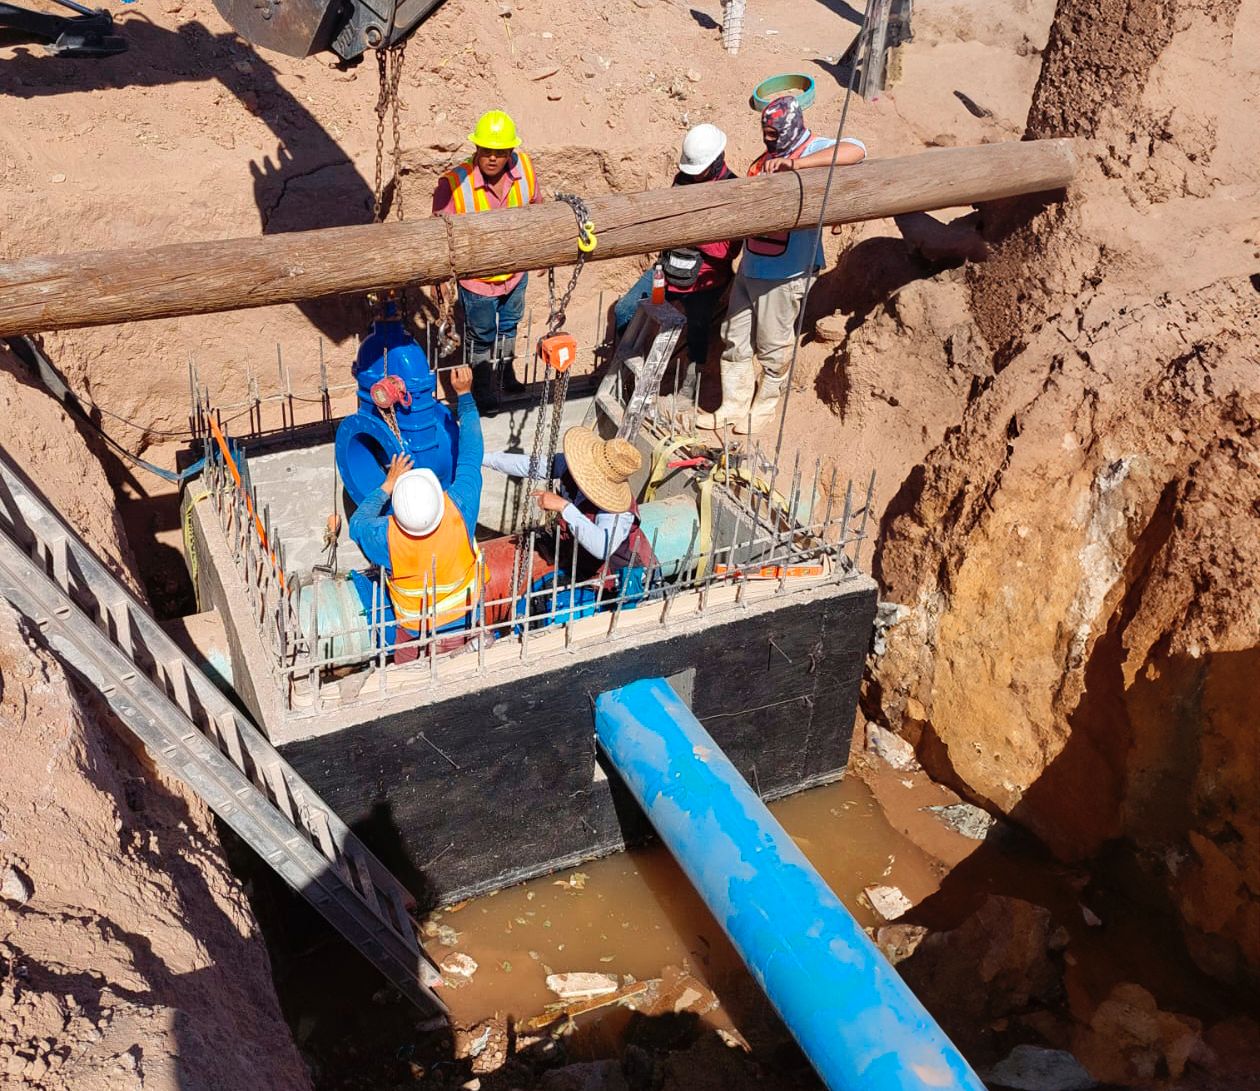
497,175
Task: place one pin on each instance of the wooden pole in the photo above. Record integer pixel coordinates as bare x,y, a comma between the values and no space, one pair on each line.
94,289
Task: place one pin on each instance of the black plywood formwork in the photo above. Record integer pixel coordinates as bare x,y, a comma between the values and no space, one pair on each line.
482,790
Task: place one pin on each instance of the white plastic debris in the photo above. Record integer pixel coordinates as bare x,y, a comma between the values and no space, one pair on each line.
458,965
573,986
889,902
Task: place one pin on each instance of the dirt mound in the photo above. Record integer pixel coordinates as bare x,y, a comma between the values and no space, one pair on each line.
192,134
1079,554
130,957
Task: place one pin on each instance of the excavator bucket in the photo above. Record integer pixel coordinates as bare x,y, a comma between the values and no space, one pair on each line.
299,28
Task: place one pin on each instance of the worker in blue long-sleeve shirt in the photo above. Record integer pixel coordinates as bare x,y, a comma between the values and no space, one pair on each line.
426,547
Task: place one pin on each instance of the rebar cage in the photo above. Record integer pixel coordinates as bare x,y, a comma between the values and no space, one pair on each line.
773,530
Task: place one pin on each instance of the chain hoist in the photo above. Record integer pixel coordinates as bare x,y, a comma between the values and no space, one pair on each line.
557,350
389,391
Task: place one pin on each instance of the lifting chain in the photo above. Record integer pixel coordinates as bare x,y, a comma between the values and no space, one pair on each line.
389,63
586,243
555,384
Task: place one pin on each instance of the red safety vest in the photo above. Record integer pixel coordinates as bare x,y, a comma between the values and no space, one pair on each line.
771,246
447,554
634,552
467,196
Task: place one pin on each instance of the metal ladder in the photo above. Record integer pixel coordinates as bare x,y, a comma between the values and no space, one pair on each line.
644,352
107,639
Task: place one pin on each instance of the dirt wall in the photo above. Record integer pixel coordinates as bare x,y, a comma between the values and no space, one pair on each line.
1079,554
129,956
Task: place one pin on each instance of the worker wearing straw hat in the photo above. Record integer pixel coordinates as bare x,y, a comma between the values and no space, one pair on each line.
594,501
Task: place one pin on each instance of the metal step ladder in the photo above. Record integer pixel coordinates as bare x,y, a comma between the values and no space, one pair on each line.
629,390
107,639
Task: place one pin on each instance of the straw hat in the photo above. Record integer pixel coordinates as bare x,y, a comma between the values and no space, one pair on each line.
602,467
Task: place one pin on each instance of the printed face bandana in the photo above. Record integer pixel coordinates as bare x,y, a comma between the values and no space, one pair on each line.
784,118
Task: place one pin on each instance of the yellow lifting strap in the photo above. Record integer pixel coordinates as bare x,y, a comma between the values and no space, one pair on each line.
190,540
721,472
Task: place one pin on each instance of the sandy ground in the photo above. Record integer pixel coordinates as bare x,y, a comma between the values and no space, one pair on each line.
193,135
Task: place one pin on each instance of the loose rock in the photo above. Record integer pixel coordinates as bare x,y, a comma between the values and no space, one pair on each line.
891,748
1032,1068
899,941
16,886
972,822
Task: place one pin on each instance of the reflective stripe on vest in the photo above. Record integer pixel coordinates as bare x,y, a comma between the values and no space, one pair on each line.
775,244
465,196
446,554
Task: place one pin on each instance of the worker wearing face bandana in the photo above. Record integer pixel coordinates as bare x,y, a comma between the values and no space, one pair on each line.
769,286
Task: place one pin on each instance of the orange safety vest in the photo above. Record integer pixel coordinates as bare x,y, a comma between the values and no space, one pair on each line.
466,196
771,246
414,562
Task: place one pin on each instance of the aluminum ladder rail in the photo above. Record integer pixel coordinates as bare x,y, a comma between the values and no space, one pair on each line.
193,732
645,351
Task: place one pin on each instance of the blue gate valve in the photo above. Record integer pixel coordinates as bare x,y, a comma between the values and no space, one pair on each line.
390,359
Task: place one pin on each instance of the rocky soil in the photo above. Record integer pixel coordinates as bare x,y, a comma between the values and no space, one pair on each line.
1078,554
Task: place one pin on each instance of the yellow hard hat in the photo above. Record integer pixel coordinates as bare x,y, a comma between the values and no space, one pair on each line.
495,130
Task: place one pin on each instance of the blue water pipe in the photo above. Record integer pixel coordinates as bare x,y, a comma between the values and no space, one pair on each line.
857,1021
429,434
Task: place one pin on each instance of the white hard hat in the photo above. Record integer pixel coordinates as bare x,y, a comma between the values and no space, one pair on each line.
701,146
419,502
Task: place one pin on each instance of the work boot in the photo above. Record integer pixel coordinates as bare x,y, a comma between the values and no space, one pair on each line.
509,384
485,392
764,404
737,394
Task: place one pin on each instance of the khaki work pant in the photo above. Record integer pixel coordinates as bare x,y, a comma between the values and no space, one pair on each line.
761,322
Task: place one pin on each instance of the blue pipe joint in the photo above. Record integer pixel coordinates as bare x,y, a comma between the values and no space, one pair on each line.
856,1020
426,429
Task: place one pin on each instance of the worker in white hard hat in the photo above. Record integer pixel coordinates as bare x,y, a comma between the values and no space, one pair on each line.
499,174
696,277
425,546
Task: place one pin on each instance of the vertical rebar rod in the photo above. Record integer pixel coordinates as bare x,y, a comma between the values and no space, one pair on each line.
844,524
866,511
555,556
378,608
529,586
529,347
481,629
315,651
192,398
324,396
682,577
569,614
831,499
813,491
433,621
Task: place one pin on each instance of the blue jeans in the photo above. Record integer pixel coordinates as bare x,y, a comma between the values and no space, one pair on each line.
697,306
489,316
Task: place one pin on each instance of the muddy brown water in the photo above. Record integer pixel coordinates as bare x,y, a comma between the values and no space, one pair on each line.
633,913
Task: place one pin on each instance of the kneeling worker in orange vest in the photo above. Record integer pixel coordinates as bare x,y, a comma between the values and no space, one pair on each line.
433,568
